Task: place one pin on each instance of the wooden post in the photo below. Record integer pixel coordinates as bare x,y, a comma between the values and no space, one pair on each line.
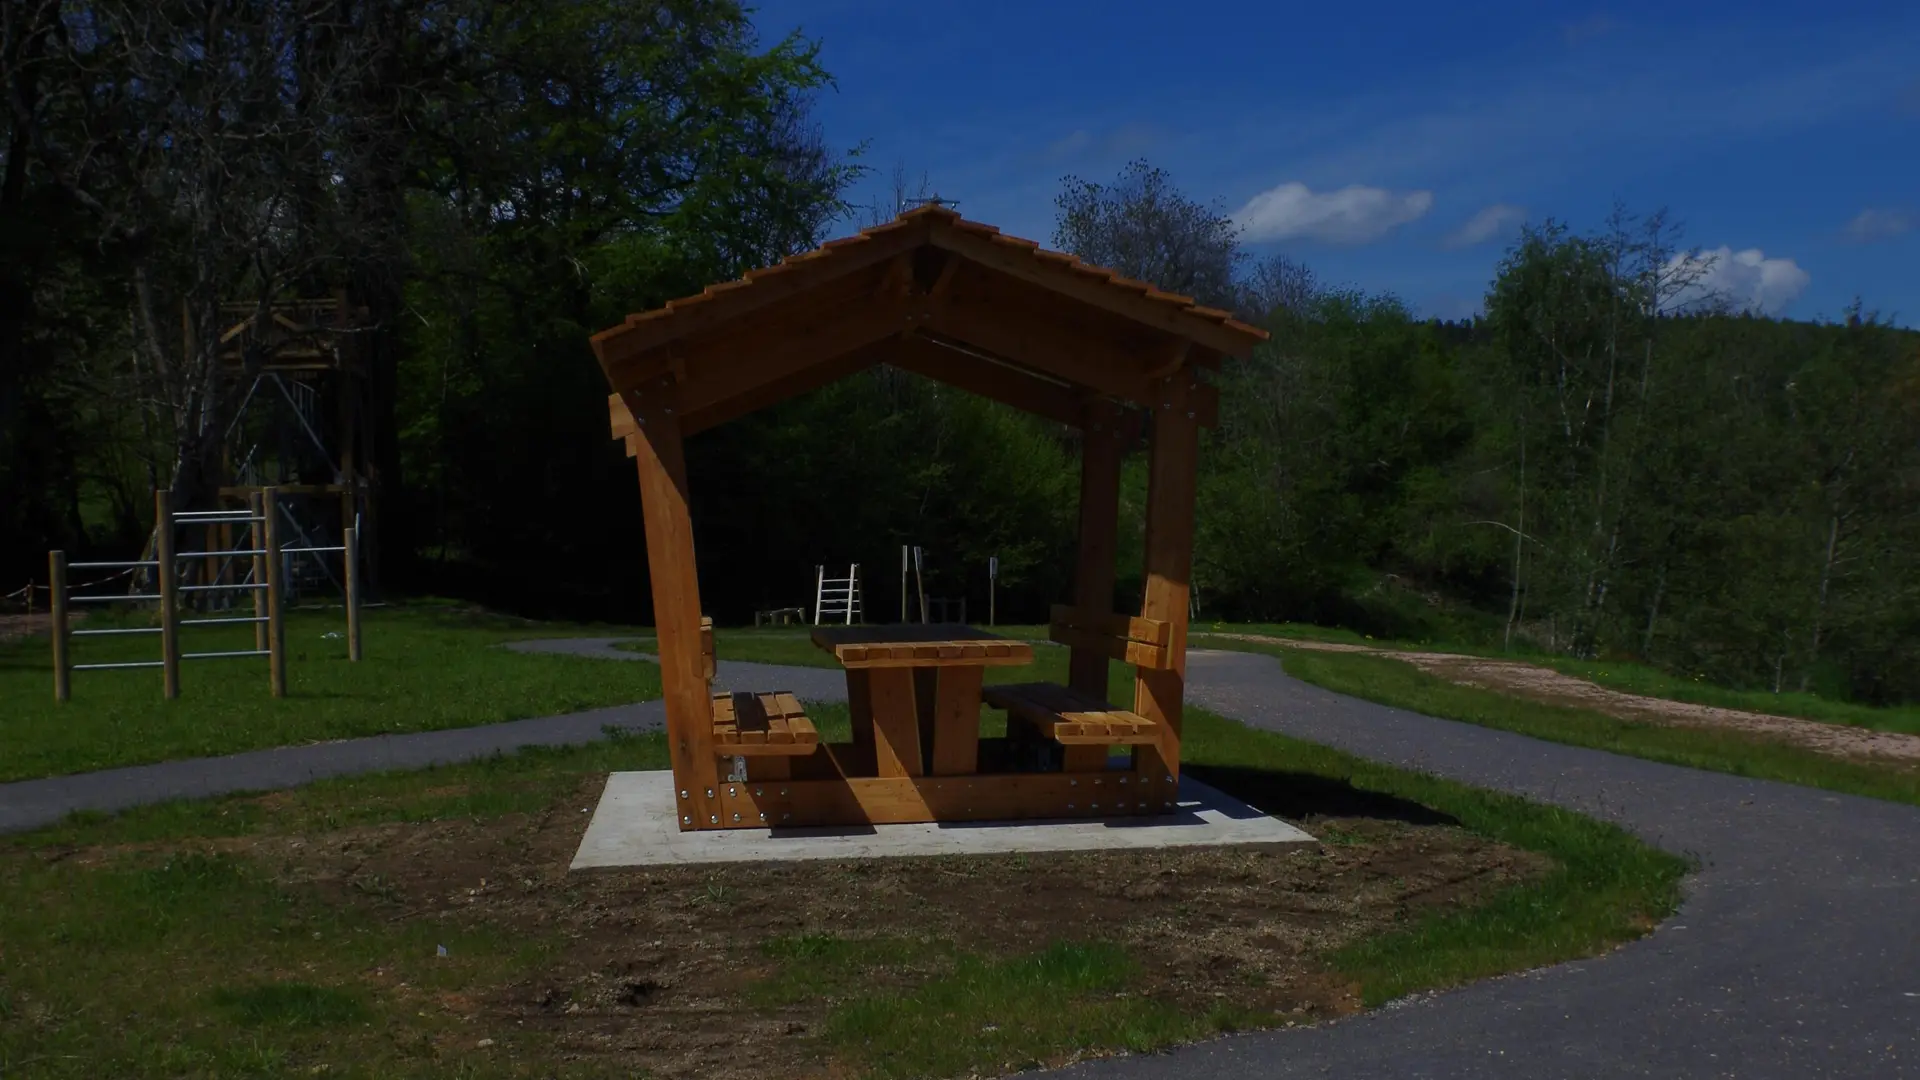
276,614
353,593
257,540
1171,475
660,460
1094,570
57,597
819,592
169,594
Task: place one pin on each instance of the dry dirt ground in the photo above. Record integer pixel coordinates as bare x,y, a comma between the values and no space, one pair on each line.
666,971
1541,684
18,625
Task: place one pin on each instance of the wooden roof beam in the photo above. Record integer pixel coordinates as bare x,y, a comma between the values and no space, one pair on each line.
791,385
746,368
990,377
1102,295
723,304
1043,345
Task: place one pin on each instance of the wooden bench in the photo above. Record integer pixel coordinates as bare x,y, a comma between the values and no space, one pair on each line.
1070,717
1078,717
755,725
1127,638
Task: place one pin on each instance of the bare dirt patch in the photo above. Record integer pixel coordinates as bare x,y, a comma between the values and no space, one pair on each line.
1551,687
16,626
668,971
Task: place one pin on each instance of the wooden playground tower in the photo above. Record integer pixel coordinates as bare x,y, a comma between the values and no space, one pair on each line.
303,427
955,301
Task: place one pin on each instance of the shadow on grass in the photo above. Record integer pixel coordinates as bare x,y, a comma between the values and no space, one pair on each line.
1299,795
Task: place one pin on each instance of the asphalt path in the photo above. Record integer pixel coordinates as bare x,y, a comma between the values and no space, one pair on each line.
1795,955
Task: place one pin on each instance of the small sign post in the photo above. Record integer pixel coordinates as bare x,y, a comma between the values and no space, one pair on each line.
993,575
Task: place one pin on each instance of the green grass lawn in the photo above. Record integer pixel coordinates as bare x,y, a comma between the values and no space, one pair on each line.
1641,679
1397,683
140,945
424,667
1622,675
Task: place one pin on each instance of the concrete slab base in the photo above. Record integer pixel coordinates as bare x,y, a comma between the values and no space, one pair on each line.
634,826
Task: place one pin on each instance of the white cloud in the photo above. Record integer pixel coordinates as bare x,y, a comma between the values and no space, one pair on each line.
1494,221
1745,280
1875,224
1351,215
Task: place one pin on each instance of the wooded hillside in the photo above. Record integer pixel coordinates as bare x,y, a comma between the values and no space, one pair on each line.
1607,463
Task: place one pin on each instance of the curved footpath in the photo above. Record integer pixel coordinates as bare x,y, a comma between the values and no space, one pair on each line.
1796,954
29,804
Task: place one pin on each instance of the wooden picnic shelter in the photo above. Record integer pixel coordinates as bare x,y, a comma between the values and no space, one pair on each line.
961,303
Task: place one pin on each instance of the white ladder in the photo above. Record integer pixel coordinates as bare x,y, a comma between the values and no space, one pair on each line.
838,597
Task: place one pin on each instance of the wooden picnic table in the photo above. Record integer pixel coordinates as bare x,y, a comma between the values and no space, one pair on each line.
914,692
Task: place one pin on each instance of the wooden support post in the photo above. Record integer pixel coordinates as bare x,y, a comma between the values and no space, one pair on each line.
1172,472
276,589
860,705
168,590
956,721
353,592
1101,451
57,596
257,540
896,723
661,463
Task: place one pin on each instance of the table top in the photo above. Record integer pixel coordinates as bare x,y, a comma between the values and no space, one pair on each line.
920,645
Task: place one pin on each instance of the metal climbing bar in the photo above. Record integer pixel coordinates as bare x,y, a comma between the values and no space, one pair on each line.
201,515
213,655
111,565
268,585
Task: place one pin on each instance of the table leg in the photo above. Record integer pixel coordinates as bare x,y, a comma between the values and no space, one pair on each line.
860,705
895,724
956,721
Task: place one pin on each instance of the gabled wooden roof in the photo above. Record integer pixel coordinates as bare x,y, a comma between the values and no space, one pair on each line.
929,291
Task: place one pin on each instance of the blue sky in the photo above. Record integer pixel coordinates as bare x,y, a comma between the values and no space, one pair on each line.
1396,146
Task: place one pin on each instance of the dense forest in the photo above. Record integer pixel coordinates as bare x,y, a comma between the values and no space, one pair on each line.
1609,462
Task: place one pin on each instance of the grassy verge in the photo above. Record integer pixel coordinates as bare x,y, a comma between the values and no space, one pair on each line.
149,944
1625,676
1631,678
1394,682
424,668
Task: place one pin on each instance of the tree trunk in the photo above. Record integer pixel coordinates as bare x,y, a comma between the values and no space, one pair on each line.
1519,539
1653,611
1820,610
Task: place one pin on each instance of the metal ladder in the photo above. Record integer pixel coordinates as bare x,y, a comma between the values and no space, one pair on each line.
838,597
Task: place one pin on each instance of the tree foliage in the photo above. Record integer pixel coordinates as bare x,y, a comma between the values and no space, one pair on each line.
1591,468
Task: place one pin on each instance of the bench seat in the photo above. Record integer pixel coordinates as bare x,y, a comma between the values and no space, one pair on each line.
1070,717
754,725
